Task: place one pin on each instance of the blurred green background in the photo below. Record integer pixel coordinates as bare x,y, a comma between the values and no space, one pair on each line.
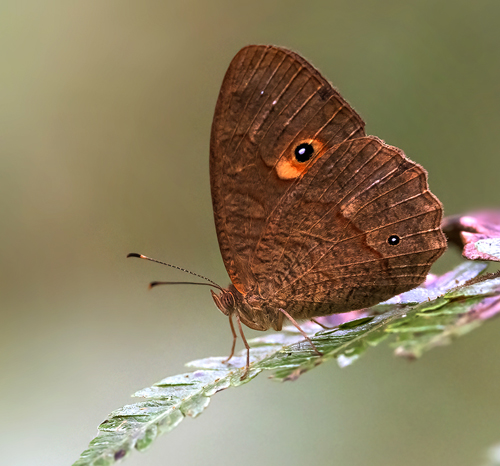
105,114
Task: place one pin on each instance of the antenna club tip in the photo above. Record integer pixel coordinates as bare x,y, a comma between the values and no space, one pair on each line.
153,284
134,254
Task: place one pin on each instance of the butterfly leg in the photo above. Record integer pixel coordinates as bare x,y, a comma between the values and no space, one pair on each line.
234,339
304,334
247,346
321,325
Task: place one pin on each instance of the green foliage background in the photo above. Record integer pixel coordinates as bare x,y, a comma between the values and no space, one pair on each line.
105,120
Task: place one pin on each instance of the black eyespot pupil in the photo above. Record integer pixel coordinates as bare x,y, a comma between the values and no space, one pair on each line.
393,240
303,152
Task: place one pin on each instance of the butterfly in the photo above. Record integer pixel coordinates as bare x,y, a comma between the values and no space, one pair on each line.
313,217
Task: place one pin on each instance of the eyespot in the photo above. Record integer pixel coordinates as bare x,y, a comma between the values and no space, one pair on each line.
393,240
299,157
303,152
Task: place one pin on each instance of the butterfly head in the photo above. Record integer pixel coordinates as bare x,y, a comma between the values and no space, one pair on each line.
249,309
225,300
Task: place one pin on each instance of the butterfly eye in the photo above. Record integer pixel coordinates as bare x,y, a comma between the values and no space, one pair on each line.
304,152
393,240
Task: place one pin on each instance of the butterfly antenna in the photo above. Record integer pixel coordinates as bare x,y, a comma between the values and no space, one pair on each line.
153,284
211,283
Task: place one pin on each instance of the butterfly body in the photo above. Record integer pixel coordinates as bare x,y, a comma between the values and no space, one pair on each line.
313,217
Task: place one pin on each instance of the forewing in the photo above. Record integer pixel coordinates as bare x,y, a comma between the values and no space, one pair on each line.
271,100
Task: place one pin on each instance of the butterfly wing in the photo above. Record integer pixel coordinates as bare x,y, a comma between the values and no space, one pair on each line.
270,102
359,227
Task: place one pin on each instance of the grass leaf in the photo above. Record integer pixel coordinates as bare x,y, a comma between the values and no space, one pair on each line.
434,314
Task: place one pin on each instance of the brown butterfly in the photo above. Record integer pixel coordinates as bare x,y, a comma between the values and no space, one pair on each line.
313,217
